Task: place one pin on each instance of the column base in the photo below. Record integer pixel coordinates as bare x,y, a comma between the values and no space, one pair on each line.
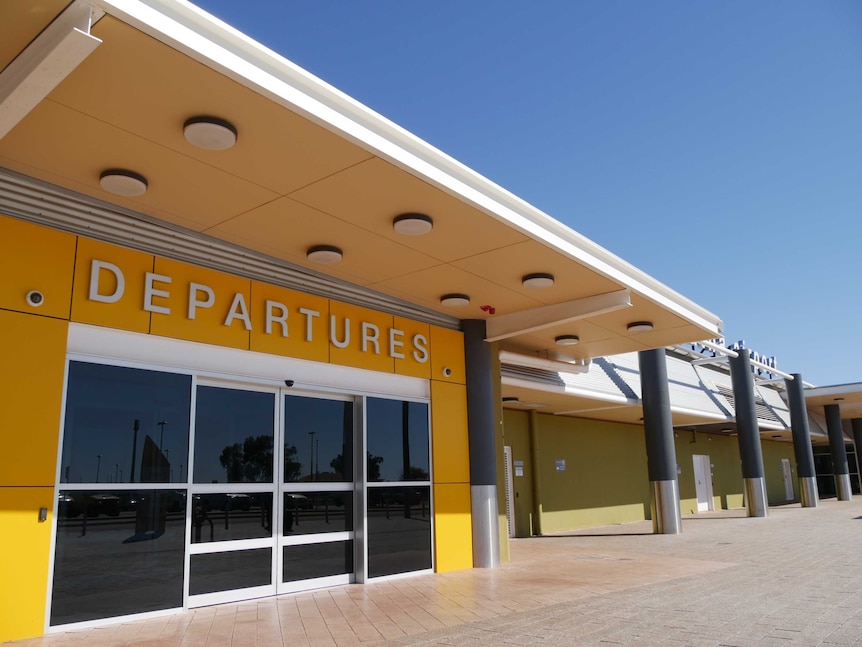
755,497
808,492
842,486
486,538
664,504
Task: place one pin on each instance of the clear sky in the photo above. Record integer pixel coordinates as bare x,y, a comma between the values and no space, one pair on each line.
715,145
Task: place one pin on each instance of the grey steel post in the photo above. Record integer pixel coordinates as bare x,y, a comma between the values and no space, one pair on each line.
661,454
483,463
748,435
802,442
857,441
840,469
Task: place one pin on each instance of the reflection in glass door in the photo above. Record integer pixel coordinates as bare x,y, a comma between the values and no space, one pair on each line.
231,552
316,543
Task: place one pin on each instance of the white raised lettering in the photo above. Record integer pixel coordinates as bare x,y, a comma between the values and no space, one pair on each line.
309,320
238,310
420,354
370,334
95,269
395,344
150,291
195,303
271,307
333,337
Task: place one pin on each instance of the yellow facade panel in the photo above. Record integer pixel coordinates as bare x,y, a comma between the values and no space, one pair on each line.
450,444
412,340
453,530
33,353
290,323
109,286
25,544
198,304
35,258
359,337
447,355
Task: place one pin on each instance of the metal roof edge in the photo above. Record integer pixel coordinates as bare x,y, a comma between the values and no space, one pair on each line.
212,42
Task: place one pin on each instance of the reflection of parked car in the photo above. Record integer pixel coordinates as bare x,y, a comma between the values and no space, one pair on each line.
223,502
298,502
108,504
67,506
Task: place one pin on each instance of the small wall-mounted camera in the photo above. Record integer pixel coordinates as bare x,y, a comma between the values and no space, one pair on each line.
35,298
288,383
447,372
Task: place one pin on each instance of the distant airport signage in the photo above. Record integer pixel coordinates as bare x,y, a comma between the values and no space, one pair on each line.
738,346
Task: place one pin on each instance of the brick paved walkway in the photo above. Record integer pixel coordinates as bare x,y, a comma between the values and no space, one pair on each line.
794,578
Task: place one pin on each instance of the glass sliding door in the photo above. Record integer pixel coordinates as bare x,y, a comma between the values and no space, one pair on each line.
316,542
398,492
231,550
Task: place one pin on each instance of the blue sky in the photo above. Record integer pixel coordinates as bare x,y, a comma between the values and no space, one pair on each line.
715,145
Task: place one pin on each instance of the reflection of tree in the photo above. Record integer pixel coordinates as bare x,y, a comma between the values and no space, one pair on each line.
292,468
415,473
250,462
337,465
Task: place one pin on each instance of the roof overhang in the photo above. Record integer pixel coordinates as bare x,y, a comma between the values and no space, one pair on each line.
313,166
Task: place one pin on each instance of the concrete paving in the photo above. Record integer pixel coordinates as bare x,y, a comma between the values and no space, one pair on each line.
793,578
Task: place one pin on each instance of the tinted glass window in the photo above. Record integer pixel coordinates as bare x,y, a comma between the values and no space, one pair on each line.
227,516
318,439
399,530
237,569
233,436
397,437
308,513
317,560
125,425
118,552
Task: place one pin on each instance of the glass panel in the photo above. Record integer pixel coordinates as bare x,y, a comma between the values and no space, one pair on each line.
125,425
227,516
310,513
233,436
399,530
318,439
236,569
317,560
397,437
117,553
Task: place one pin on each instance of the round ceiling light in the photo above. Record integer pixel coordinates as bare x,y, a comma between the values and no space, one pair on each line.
510,399
640,326
324,254
566,340
210,133
122,182
413,224
455,300
539,280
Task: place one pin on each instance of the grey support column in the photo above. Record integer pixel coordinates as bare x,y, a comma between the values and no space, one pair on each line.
840,469
748,435
857,441
483,462
661,455
802,442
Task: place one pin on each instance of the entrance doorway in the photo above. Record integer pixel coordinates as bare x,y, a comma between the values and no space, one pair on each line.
703,482
787,475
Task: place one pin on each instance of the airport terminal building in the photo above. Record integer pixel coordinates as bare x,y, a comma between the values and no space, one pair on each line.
257,339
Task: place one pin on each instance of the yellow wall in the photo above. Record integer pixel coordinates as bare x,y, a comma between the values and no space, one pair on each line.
773,452
723,452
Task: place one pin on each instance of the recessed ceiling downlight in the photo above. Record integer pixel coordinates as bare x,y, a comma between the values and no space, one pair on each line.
538,280
639,326
324,254
455,300
210,133
123,182
566,340
413,224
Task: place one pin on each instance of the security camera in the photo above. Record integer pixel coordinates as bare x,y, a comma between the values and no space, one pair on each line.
35,298
447,372
288,383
